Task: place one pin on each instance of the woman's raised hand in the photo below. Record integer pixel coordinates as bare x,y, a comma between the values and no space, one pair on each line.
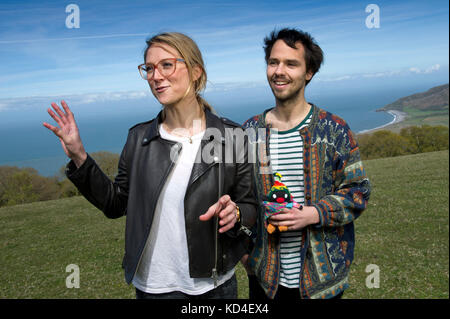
67,132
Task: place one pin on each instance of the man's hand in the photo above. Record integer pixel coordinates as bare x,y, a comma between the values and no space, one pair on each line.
296,219
225,208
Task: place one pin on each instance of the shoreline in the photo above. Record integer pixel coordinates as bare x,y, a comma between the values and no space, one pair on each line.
398,116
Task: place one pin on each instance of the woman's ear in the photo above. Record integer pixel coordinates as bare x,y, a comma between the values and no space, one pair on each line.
197,72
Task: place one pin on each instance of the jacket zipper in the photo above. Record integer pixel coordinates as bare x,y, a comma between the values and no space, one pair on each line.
214,274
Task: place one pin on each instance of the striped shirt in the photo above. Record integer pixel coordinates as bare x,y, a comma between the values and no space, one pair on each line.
286,157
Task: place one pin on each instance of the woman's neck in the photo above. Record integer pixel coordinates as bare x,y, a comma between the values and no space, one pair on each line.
187,115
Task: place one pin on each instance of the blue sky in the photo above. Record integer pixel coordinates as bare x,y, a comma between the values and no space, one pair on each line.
98,61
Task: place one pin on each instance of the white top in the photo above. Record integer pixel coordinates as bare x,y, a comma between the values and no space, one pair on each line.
164,264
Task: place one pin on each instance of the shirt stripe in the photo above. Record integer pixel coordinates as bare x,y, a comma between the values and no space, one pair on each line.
286,158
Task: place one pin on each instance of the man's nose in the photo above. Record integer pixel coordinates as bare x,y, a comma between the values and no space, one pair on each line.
279,69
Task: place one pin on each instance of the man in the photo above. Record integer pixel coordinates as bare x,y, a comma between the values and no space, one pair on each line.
318,159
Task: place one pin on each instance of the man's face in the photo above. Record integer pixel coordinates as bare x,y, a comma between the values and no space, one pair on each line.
286,70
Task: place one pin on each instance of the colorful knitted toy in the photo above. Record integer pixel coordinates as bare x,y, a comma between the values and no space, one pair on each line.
279,197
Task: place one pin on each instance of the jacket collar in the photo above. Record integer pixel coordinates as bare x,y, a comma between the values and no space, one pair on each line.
212,121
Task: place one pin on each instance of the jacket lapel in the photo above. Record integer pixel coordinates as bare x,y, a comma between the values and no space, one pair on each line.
153,130
211,146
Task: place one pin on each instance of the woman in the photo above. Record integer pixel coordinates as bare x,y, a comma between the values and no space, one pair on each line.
184,212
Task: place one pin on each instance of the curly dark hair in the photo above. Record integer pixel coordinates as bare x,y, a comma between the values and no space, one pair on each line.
313,53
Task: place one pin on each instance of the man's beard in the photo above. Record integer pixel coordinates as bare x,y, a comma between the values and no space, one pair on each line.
291,96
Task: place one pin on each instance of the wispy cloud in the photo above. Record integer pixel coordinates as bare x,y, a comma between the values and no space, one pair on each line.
230,86
431,69
41,56
402,72
77,99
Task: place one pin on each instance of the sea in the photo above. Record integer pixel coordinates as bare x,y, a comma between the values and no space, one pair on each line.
25,142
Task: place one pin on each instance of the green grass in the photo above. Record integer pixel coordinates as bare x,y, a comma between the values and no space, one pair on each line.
430,117
405,228
404,231
416,117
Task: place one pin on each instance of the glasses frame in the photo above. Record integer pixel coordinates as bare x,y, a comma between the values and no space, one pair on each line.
155,67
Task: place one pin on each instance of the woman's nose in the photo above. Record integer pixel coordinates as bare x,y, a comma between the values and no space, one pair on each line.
157,75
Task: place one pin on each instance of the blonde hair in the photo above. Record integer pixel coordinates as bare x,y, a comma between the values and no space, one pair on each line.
192,56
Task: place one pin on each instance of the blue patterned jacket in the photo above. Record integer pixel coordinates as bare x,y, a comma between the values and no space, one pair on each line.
335,184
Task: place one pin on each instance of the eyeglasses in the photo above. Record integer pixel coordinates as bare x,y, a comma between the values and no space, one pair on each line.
166,68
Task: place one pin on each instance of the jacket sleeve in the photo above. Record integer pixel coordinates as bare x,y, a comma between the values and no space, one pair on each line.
351,187
110,197
243,194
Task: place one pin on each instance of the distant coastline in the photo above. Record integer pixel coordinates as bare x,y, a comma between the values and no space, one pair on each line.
398,117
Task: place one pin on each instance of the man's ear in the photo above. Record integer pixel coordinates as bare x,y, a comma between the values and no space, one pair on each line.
309,75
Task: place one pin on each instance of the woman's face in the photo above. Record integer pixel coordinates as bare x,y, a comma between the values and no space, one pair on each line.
172,89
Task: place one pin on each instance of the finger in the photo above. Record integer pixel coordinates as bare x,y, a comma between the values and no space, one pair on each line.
228,223
229,218
67,110
226,228
209,213
55,117
224,200
52,128
60,113
280,216
227,214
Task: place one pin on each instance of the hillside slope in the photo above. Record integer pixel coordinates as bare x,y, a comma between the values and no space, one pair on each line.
435,98
425,108
404,232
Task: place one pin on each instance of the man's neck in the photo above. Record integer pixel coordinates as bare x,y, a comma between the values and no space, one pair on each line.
288,114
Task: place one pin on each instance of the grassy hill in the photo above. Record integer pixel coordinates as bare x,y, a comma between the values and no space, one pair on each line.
430,107
405,232
435,98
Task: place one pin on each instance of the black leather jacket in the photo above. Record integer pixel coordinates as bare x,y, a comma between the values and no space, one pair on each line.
144,165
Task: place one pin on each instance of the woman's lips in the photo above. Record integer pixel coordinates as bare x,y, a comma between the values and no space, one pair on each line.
161,89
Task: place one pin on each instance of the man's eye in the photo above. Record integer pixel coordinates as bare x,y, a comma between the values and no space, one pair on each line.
148,68
272,63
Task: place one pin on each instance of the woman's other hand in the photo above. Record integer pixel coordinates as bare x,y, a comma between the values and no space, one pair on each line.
226,210
67,132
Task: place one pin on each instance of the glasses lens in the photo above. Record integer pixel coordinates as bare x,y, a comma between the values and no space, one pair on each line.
166,67
145,71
